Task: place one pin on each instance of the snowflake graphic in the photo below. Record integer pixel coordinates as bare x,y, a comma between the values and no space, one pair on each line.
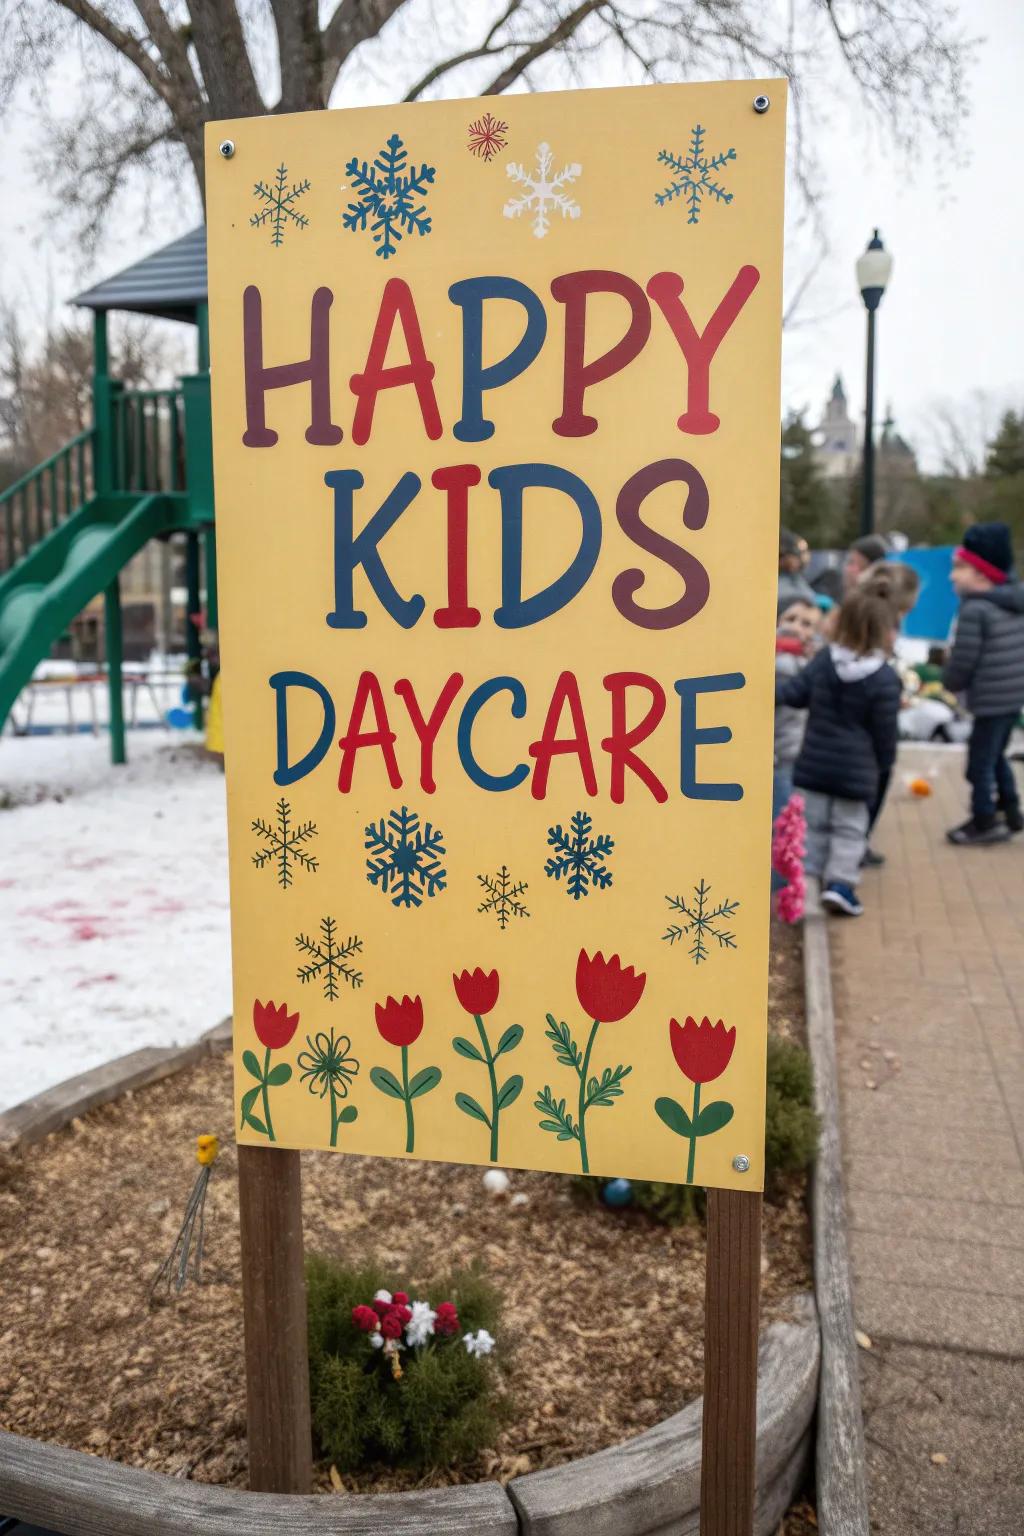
388,190
328,958
405,858
279,198
284,840
700,920
693,175
544,191
579,856
501,896
487,137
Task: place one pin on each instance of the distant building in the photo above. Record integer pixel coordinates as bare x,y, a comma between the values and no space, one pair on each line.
838,446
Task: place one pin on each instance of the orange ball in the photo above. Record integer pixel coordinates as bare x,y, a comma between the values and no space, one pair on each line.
920,787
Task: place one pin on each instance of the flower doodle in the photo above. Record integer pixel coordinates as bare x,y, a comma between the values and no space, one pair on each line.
274,1027
477,991
327,1068
702,1052
401,1024
607,992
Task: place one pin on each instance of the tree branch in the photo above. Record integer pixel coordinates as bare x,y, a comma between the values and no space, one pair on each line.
125,42
353,23
300,54
231,88
554,39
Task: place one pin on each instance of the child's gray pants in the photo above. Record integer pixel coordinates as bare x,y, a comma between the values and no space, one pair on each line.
837,835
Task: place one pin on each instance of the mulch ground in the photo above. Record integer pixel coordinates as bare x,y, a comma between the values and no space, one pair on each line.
603,1319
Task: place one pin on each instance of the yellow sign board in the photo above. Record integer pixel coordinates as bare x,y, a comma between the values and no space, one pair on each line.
496,423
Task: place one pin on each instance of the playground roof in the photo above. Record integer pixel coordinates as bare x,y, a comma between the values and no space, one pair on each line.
170,282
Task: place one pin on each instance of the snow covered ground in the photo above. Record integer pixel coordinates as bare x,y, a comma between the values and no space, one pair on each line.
114,926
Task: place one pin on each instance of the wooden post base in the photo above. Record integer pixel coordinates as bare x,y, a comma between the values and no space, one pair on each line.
276,1345
731,1303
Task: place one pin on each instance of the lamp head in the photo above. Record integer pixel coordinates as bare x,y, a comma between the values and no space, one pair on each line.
874,268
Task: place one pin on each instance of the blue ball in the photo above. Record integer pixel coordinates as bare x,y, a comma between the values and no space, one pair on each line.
617,1192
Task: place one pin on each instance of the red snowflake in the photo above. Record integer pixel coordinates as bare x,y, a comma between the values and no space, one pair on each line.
487,137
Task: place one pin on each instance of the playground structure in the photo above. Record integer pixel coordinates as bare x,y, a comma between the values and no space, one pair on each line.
143,470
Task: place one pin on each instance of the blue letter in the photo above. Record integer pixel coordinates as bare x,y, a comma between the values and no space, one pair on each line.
474,704
281,682
713,735
350,551
470,295
510,482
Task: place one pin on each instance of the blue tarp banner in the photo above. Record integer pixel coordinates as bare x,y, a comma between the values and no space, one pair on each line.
931,617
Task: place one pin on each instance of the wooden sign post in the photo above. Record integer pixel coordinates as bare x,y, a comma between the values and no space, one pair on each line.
496,407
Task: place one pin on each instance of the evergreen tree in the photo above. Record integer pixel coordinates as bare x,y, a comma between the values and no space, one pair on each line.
806,503
1006,450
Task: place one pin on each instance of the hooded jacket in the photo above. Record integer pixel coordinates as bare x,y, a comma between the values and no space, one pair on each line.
790,658
853,705
987,661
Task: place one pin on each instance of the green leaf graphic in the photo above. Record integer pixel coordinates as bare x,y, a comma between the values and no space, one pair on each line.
347,1115
387,1082
279,1075
469,1106
712,1117
248,1100
251,1065
424,1081
466,1048
510,1039
510,1091
674,1116
257,1124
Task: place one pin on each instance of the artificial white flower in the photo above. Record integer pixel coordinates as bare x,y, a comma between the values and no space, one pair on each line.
478,1344
377,1340
384,1296
421,1325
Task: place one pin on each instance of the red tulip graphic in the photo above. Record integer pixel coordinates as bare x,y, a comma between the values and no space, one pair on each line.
274,1027
607,991
702,1051
477,991
400,1023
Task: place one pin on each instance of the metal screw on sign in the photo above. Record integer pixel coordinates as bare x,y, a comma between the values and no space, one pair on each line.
762,103
741,1163
227,148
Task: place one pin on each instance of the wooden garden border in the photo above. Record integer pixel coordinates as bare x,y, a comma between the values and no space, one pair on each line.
841,1472
646,1486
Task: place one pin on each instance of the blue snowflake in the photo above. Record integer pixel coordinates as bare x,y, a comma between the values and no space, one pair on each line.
579,856
279,197
387,189
693,175
405,858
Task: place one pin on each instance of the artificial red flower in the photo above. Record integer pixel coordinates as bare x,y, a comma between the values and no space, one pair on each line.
274,1025
404,1314
390,1326
702,1051
382,1308
446,1319
400,1023
400,1299
366,1319
606,991
477,990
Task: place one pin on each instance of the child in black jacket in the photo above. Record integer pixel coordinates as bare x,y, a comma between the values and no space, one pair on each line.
852,696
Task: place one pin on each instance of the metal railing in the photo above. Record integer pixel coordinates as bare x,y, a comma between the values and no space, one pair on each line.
34,505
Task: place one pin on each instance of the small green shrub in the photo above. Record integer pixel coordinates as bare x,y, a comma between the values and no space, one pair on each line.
790,1140
427,1404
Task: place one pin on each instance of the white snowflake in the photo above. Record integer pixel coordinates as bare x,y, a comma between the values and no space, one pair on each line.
544,191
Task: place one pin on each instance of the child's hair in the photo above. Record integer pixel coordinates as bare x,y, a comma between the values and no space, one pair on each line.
868,616
902,581
786,603
938,655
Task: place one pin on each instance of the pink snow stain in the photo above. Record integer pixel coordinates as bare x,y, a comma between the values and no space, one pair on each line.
97,981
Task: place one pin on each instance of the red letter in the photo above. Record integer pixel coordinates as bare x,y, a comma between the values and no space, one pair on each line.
427,730
549,746
456,480
355,737
695,515
396,303
619,745
316,368
572,290
698,350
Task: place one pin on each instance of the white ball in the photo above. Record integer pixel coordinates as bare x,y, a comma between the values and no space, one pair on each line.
496,1181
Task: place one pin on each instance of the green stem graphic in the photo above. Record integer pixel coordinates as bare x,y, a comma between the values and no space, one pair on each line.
334,1115
410,1130
494,1086
583,1096
693,1133
266,1098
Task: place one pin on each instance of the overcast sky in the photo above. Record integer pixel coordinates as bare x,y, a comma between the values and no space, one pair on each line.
951,324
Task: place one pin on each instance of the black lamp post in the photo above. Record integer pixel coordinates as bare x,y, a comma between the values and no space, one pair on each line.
874,268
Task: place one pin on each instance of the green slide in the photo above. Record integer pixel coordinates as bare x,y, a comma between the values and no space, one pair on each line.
43,592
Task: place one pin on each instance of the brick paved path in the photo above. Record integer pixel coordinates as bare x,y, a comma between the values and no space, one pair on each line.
929,993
